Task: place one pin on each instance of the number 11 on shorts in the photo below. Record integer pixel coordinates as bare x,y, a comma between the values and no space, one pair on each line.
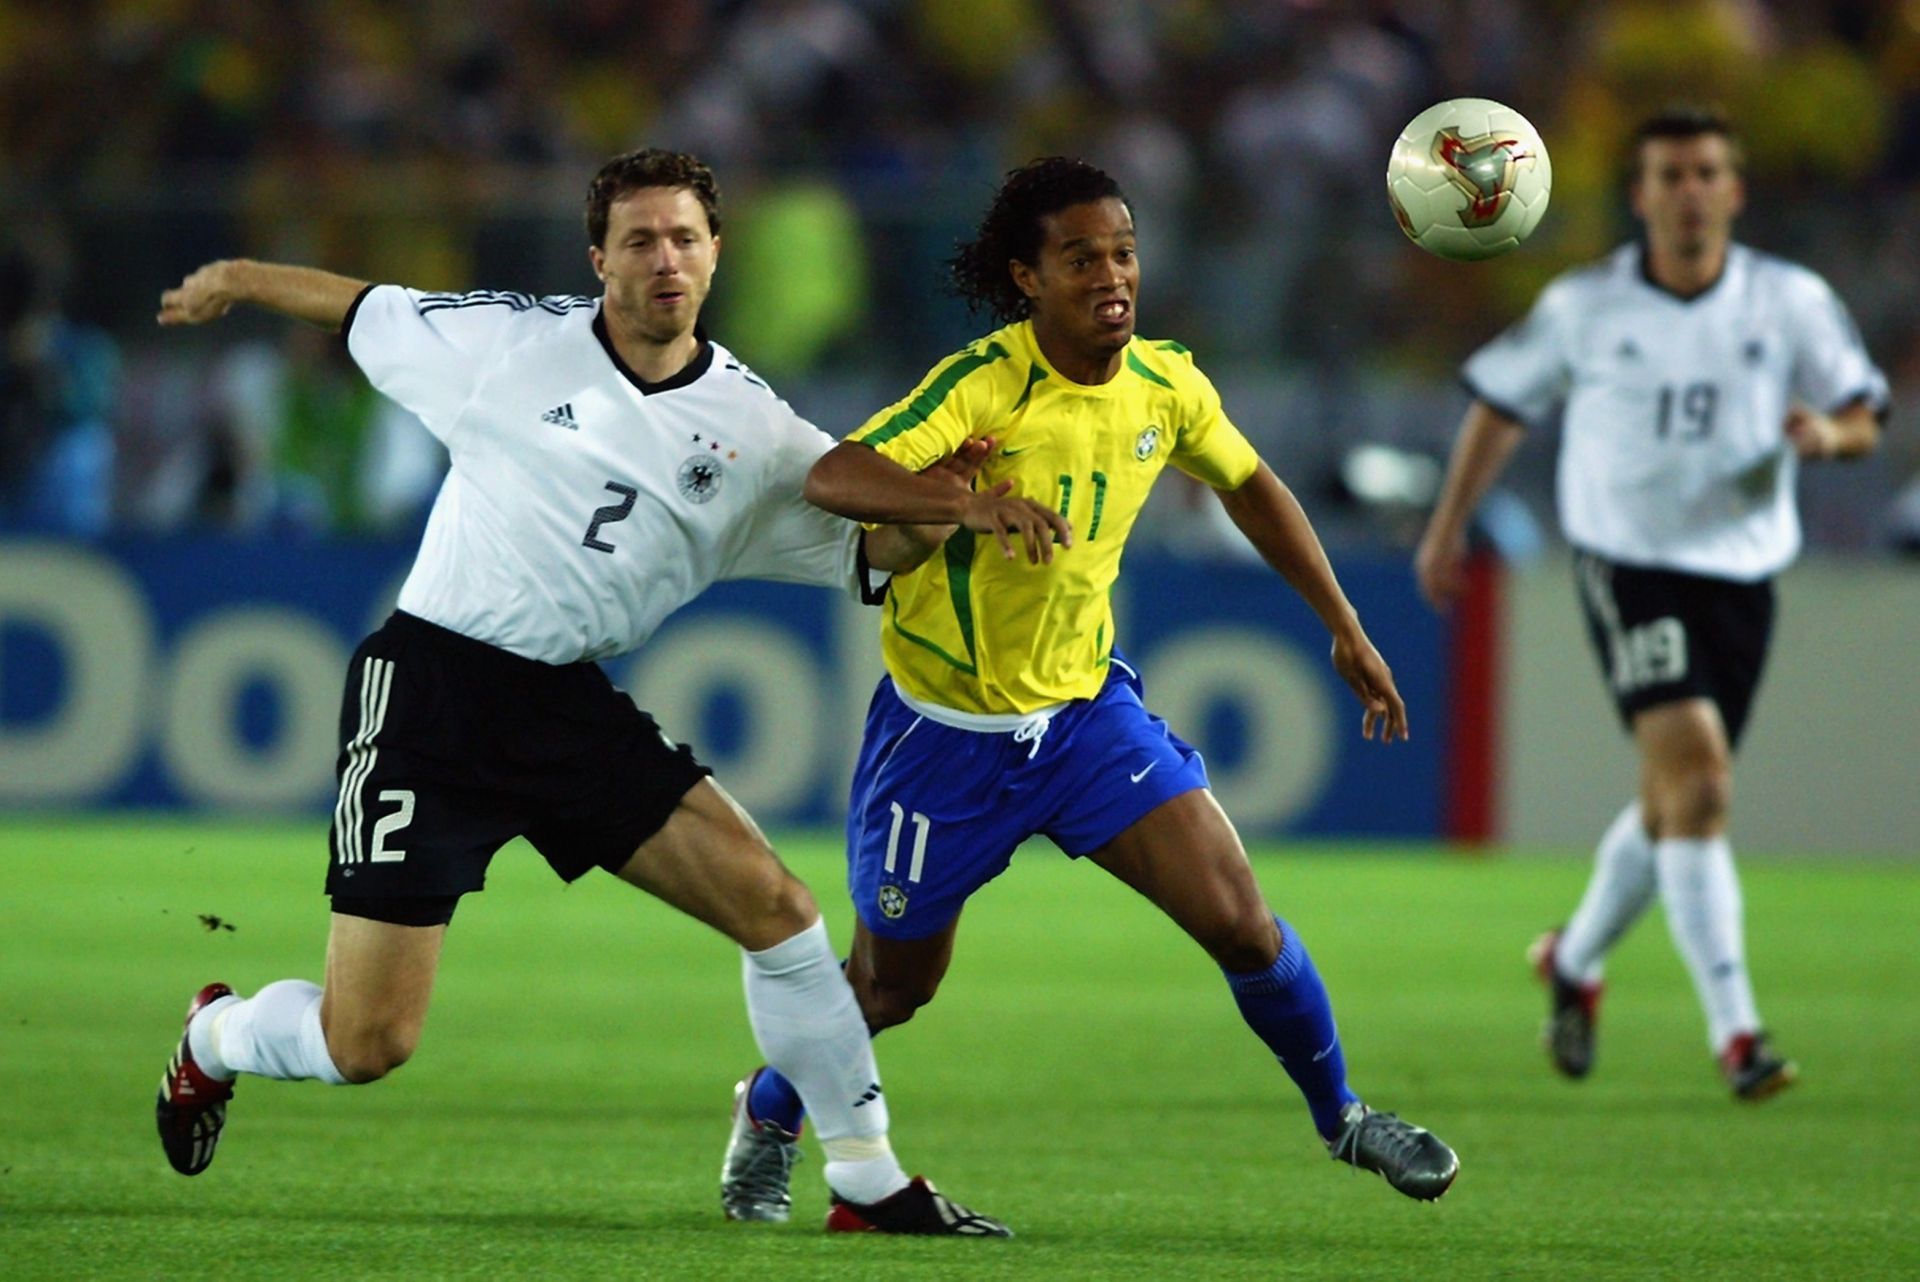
921,827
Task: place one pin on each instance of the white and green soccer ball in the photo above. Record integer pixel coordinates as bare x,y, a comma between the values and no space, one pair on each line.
1469,179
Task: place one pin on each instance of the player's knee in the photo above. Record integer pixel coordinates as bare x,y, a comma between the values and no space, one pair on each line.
766,906
1703,798
787,907
887,1003
1249,942
1239,934
367,1055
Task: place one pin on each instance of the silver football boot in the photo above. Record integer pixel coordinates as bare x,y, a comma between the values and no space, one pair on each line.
758,1168
1411,1158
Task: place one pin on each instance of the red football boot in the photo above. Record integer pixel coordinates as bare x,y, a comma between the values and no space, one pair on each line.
918,1208
192,1106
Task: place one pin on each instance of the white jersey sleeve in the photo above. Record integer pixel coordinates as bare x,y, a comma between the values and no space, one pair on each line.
1525,373
426,351
791,540
1831,367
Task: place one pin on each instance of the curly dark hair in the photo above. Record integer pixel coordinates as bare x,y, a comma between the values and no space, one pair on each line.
1011,231
649,167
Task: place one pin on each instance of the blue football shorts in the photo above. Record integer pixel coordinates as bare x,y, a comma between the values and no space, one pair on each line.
938,811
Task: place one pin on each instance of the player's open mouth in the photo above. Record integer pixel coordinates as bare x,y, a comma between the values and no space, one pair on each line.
1113,312
668,297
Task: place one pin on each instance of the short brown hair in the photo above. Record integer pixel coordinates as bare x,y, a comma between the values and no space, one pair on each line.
1683,120
649,167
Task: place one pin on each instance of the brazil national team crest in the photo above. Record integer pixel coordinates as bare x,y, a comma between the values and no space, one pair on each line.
1147,443
893,902
700,477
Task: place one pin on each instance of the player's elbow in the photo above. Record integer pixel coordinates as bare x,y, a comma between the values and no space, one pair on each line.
817,489
897,549
826,484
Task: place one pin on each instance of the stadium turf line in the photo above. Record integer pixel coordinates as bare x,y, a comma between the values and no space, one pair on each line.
1084,1076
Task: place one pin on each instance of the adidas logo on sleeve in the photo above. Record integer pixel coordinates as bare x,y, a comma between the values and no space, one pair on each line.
561,416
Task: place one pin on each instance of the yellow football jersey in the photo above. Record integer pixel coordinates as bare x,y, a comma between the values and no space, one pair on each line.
973,631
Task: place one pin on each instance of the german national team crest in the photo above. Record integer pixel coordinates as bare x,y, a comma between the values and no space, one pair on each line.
1147,443
893,902
700,478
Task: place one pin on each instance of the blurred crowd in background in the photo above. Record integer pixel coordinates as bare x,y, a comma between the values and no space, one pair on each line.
448,145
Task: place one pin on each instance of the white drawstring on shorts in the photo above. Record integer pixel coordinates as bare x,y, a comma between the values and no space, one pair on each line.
1026,727
1032,731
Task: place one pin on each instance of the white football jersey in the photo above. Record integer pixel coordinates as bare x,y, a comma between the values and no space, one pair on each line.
584,505
1674,452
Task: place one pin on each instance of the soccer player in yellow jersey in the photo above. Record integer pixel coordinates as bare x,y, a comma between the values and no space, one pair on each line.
1006,712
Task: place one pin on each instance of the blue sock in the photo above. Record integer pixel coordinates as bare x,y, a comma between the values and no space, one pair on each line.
1287,1006
773,1099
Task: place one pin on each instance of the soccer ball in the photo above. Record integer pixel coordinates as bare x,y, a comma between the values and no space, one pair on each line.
1468,179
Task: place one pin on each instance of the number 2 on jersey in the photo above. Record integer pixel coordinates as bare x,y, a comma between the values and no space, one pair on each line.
608,515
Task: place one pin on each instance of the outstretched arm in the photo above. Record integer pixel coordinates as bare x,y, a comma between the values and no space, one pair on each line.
1480,453
304,293
1273,521
859,482
900,548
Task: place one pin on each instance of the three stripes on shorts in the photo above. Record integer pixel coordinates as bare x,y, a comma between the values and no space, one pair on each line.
376,681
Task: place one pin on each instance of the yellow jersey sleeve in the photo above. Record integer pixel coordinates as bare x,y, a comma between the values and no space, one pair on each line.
954,402
1209,447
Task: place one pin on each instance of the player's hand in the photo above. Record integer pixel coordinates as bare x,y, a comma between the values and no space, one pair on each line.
1362,668
998,513
1441,567
1813,434
957,469
199,298
960,467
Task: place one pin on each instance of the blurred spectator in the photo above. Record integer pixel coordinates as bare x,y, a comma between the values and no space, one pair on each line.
57,386
306,444
856,140
795,276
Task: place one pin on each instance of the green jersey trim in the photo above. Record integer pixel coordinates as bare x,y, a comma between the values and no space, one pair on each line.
934,394
1139,367
925,644
1034,375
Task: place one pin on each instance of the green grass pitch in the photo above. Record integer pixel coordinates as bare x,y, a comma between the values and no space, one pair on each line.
1084,1075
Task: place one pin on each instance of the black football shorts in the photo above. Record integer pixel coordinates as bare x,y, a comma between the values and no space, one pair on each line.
450,748
1662,636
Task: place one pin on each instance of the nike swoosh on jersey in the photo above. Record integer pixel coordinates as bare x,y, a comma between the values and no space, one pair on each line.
1010,453
1144,773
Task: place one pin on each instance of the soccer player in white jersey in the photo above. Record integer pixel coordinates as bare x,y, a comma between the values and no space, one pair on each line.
1692,375
608,463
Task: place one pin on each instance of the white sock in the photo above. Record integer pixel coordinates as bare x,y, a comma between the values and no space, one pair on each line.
1701,892
274,1033
809,1027
1622,886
